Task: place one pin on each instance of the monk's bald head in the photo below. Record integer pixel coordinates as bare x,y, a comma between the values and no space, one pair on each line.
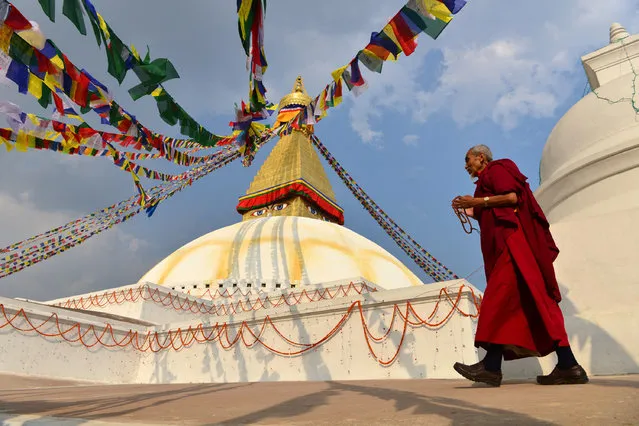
476,159
483,150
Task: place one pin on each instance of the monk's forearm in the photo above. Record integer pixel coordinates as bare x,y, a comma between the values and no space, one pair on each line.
506,200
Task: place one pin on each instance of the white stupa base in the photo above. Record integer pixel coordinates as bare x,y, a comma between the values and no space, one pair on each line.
337,327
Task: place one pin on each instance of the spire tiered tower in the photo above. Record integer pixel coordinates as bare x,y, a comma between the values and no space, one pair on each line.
292,180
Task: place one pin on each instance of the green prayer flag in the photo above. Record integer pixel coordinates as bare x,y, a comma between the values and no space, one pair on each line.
72,10
432,27
167,108
114,114
45,99
20,50
48,7
115,58
151,75
96,26
370,61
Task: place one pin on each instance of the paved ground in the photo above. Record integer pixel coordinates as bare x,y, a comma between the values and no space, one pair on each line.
605,401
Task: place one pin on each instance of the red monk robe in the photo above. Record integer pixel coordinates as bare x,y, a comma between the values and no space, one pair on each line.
520,306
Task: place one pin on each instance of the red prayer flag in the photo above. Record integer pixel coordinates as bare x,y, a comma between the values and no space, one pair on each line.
81,90
70,68
403,34
86,132
58,103
15,19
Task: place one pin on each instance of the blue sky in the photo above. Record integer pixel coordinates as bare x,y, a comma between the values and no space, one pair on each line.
499,76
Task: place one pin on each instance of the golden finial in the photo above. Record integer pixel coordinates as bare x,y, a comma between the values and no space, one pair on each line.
298,96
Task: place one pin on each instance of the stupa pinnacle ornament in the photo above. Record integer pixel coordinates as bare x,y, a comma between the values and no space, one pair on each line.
617,33
292,180
297,97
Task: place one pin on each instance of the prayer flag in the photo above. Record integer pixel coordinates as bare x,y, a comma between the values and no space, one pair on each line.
48,7
72,10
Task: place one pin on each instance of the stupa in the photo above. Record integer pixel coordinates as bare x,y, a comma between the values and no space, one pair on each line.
287,293
291,229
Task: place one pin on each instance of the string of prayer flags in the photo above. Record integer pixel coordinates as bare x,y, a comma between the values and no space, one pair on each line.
433,267
36,249
24,140
48,73
74,136
250,14
122,58
398,36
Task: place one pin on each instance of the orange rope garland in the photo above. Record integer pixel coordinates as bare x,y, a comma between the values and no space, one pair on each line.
178,303
183,338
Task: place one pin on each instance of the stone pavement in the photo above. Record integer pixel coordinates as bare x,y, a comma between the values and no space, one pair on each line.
605,401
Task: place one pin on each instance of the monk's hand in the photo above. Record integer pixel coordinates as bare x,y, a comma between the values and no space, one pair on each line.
464,202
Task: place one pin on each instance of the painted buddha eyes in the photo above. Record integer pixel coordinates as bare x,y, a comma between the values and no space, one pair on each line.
279,207
313,210
264,211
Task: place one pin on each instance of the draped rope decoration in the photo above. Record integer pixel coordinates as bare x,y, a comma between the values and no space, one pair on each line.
429,264
183,303
177,339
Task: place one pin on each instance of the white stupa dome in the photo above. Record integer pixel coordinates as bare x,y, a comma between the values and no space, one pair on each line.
280,252
593,125
592,154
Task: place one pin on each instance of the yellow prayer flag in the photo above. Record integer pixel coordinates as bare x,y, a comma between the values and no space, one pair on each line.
135,52
5,37
157,92
34,118
322,101
337,74
52,81
388,30
57,61
243,13
437,9
52,136
337,94
103,27
35,86
6,143
22,142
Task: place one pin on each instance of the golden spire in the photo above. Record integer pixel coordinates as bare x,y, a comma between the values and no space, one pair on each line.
298,95
292,180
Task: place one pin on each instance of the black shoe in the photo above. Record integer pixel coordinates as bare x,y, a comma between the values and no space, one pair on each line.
573,376
478,373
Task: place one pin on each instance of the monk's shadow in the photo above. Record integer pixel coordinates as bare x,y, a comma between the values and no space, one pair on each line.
587,340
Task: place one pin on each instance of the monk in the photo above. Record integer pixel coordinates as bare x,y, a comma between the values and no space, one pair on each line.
520,315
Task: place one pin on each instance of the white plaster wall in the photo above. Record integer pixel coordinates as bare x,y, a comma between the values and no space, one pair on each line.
426,352
614,193
28,353
598,272
125,309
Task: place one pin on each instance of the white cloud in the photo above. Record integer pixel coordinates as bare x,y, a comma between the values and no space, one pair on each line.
501,81
525,65
104,261
410,140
